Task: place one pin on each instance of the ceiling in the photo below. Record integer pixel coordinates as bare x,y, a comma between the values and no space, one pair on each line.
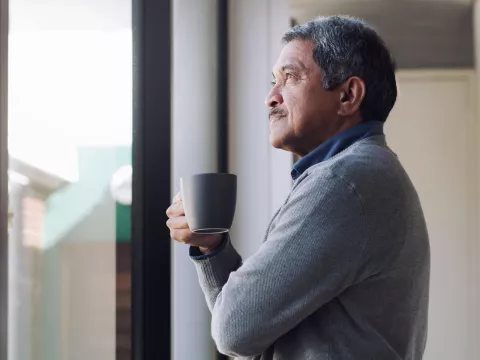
313,3
419,33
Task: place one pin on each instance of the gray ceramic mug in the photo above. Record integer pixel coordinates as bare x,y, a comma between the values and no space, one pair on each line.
209,202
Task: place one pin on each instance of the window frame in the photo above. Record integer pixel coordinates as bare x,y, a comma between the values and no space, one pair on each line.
151,163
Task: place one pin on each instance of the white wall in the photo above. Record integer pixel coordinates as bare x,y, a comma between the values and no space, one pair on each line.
434,130
263,174
476,36
256,28
4,283
194,143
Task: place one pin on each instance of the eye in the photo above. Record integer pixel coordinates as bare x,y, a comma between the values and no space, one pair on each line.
289,76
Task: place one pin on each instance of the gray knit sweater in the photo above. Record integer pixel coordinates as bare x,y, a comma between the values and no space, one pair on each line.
343,272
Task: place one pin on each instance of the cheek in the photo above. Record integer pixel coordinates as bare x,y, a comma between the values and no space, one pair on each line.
294,102
309,108
300,111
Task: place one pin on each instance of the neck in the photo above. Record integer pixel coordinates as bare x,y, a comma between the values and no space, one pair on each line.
327,133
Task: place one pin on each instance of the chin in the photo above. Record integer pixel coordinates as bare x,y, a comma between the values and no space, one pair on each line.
280,134
278,143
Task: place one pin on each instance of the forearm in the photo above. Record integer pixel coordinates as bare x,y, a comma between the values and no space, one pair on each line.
214,268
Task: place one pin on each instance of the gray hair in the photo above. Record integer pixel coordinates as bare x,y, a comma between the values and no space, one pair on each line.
346,47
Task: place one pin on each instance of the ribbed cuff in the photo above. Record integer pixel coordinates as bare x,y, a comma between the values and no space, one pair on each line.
196,254
213,269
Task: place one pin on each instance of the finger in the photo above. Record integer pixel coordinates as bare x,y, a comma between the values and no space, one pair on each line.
177,198
175,210
183,236
178,223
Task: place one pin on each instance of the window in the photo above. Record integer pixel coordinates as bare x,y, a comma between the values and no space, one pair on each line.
69,180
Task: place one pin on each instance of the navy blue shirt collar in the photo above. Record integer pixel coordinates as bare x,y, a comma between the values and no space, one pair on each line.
337,144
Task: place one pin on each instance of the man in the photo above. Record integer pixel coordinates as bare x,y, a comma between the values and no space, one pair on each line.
343,272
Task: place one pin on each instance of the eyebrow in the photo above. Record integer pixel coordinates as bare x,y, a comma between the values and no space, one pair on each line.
291,66
294,67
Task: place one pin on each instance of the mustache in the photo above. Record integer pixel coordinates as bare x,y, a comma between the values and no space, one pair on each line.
277,111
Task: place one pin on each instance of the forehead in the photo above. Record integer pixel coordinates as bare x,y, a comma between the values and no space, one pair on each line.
298,53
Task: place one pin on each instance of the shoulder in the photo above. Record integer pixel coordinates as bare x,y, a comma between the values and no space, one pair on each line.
323,189
366,166
356,170
373,173
385,198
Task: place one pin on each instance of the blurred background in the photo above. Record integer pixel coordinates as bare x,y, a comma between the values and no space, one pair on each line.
70,84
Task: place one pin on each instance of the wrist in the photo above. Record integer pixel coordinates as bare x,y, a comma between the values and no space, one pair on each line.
215,245
206,251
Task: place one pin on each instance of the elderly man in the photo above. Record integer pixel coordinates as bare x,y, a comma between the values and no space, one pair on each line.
343,272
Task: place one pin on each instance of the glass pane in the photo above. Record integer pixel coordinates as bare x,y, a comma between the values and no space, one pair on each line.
70,120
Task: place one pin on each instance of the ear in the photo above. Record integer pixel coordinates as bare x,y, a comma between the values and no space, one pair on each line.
352,93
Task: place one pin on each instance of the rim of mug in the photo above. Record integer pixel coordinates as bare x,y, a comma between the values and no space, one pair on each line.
207,231
208,174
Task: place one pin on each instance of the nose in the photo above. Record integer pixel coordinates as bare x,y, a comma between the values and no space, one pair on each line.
274,98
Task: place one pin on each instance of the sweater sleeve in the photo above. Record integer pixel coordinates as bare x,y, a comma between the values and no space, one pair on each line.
312,254
214,269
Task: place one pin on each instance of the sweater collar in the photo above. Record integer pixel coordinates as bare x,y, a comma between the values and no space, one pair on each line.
337,144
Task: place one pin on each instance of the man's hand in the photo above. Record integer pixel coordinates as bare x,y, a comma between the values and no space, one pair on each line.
180,231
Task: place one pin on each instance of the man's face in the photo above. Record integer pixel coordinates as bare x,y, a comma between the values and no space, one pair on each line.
302,113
